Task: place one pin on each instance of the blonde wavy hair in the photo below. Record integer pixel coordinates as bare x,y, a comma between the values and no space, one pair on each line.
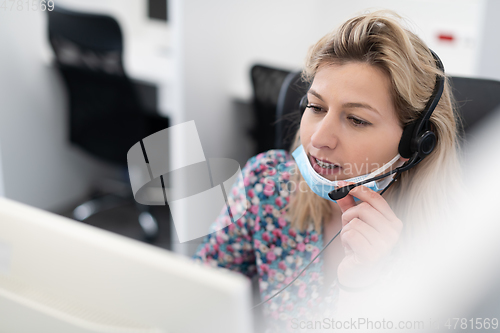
379,39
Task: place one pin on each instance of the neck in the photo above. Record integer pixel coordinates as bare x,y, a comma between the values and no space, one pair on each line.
336,213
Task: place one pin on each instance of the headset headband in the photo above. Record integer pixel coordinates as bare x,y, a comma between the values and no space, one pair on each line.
418,136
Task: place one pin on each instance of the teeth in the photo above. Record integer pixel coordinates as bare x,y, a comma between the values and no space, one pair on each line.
325,165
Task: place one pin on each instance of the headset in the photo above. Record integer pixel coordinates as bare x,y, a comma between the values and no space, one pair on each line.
417,142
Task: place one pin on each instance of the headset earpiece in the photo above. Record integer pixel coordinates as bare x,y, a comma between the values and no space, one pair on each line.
425,143
410,143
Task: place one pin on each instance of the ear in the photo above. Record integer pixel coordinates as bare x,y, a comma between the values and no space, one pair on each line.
402,159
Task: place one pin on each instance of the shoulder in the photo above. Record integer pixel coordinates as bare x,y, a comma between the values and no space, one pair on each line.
265,178
270,157
271,164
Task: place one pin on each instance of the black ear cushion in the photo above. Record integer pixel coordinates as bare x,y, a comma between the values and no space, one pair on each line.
405,142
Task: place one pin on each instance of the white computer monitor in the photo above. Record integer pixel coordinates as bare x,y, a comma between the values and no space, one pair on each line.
59,275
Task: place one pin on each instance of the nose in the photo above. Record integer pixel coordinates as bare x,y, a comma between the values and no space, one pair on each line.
326,133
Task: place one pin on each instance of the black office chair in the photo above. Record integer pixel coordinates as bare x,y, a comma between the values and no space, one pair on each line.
267,82
288,109
476,100
106,116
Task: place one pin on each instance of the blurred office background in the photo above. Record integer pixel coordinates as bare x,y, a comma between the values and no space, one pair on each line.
197,56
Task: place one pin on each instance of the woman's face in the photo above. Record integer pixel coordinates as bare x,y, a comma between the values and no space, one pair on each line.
350,121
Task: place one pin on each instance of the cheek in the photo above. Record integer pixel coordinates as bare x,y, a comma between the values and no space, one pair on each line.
379,149
360,150
393,140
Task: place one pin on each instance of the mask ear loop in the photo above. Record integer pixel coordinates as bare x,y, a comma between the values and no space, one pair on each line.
394,179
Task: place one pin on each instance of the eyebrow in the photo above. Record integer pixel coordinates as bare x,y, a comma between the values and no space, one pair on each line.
346,105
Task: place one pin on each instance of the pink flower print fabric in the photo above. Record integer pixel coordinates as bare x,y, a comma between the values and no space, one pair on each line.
263,243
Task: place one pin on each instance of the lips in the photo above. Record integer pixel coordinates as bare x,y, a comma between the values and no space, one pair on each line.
324,171
325,161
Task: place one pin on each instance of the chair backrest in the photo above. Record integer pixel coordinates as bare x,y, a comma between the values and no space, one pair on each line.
88,41
288,109
106,117
267,82
476,99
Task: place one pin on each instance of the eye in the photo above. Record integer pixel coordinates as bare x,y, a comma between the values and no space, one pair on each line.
358,122
314,108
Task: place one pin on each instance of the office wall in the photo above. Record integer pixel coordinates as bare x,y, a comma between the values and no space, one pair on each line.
236,34
38,165
488,64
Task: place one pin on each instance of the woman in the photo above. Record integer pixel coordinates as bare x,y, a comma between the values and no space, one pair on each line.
369,79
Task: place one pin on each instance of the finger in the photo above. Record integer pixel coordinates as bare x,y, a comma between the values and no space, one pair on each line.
372,236
365,212
346,202
359,245
374,199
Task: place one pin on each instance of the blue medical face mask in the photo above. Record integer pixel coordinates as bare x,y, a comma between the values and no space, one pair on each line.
322,186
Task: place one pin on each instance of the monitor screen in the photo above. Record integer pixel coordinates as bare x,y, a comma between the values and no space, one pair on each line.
60,275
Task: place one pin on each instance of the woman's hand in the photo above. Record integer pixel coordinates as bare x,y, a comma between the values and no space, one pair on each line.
370,230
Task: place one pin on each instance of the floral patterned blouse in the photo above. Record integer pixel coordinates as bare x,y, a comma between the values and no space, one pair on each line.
263,243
